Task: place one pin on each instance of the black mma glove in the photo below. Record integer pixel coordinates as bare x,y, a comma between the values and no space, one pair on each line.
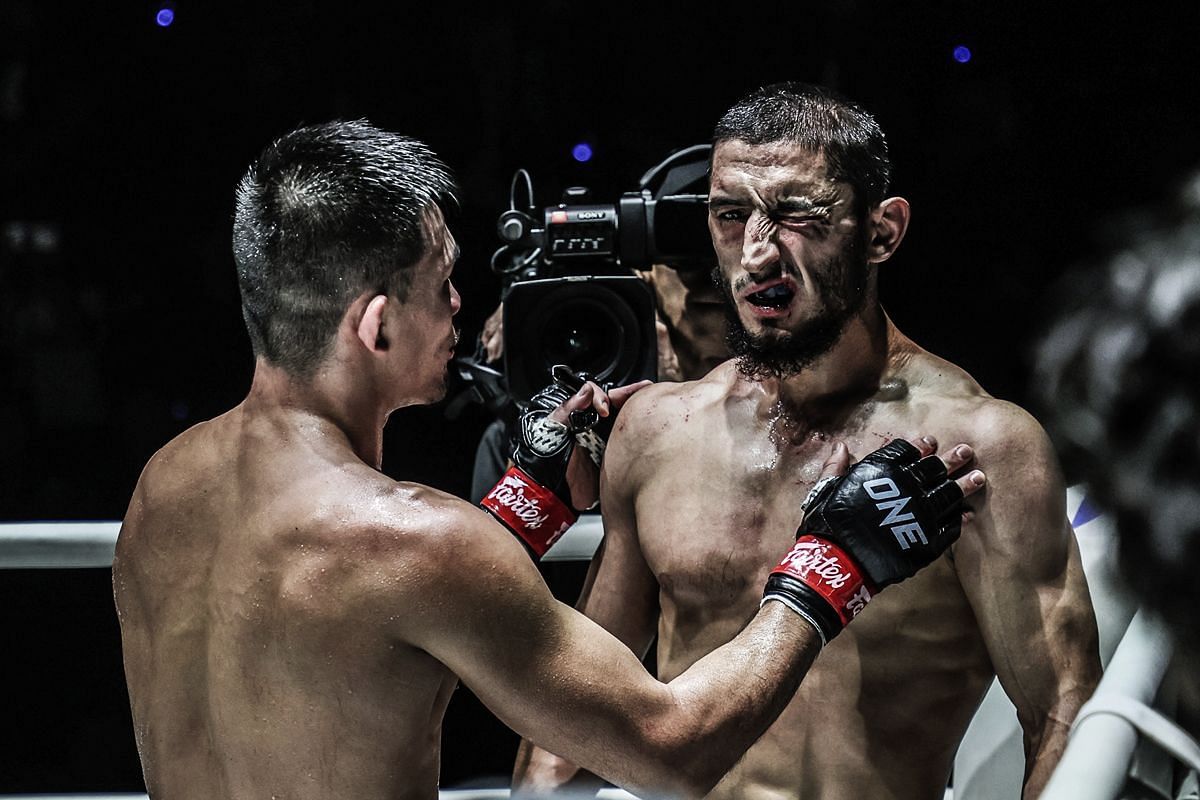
890,515
591,431
533,499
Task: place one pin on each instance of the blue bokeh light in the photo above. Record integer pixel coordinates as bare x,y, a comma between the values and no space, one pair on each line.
164,17
962,54
582,152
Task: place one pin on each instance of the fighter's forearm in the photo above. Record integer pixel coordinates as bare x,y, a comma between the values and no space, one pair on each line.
679,739
1042,754
725,701
1051,692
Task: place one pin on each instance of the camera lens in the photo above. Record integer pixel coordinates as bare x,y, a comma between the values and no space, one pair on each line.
584,335
603,326
588,329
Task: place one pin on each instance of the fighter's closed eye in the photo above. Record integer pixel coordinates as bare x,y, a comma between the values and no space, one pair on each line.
798,218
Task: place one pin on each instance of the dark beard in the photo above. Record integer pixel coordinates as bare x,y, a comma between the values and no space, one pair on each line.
841,285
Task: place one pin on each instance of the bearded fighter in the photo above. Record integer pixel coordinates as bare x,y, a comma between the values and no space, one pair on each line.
703,478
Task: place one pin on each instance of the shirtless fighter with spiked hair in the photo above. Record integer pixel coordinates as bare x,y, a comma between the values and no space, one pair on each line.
293,621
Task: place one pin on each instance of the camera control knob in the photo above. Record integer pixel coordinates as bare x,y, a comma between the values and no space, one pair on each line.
513,226
511,230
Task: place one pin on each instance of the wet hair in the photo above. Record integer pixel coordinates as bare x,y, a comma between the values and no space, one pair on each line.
1120,376
326,213
819,120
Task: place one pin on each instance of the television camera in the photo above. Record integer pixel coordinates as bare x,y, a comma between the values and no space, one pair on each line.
570,292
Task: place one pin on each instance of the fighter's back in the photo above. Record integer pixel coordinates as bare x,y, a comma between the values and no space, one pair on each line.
259,545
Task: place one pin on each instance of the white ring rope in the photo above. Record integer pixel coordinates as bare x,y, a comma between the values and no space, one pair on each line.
445,794
47,545
70,545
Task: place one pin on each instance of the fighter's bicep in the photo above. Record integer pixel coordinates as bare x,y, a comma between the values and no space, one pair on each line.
1019,567
1019,522
619,471
621,594
618,504
545,670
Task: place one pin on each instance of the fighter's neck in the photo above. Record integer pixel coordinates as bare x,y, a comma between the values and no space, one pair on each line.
321,408
864,362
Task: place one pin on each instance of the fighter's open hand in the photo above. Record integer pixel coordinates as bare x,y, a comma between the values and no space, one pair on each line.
955,461
594,410
550,480
870,525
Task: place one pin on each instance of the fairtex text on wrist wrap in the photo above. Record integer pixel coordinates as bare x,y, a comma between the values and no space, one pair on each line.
533,512
820,582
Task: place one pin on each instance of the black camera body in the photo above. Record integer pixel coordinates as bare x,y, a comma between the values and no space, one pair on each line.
571,296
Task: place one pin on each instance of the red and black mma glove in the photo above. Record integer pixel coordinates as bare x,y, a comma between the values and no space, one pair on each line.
533,499
890,515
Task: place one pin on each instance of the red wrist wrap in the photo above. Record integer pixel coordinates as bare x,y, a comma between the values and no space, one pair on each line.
529,510
830,572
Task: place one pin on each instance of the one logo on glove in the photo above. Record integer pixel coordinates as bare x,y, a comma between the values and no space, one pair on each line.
903,523
510,493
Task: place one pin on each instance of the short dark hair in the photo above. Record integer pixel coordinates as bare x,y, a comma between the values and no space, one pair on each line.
820,120
1119,375
326,213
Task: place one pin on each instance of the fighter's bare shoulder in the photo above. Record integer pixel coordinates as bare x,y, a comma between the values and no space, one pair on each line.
653,410
406,547
996,428
1010,444
651,426
410,520
179,462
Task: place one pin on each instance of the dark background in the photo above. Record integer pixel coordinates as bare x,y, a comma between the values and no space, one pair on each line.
120,143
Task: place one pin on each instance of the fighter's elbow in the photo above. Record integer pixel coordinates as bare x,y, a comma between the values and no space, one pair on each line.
687,764
678,781
702,779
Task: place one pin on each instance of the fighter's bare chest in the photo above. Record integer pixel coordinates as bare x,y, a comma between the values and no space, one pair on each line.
725,506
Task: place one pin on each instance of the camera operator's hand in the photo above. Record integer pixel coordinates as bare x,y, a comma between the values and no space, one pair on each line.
492,335
550,479
668,361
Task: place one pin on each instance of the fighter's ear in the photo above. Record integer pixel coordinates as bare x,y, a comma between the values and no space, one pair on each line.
888,222
370,324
